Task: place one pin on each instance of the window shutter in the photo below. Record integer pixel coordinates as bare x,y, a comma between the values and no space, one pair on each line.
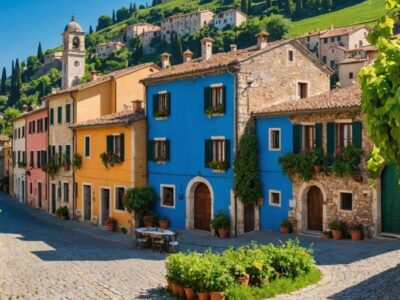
68,113
60,154
207,98
49,151
357,134
169,103
297,138
330,134
87,146
224,97
122,146
46,123
228,153
208,153
110,144
318,136
51,116
54,150
155,104
59,115
44,157
167,150
68,151
150,150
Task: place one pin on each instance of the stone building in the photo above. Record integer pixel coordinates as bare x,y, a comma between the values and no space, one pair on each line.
106,49
138,29
232,18
50,58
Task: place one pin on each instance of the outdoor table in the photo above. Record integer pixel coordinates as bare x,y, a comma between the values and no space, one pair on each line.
156,231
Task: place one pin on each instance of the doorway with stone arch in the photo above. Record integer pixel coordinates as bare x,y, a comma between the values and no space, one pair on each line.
314,208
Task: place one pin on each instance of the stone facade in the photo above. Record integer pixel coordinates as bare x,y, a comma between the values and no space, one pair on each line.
348,71
232,17
105,49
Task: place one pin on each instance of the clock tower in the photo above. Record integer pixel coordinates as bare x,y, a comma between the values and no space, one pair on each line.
73,61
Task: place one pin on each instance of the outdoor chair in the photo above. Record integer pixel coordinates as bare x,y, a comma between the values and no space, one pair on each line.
158,242
141,240
173,243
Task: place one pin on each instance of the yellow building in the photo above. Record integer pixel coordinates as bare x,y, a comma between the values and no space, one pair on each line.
121,139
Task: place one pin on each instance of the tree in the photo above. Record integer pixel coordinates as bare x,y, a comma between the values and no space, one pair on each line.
3,87
5,124
122,14
380,87
40,55
243,6
134,8
249,6
277,26
90,29
114,20
103,22
15,91
32,65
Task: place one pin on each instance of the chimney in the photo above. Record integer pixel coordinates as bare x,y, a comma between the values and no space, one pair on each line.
262,40
137,106
93,75
206,48
33,107
233,47
187,55
25,108
165,63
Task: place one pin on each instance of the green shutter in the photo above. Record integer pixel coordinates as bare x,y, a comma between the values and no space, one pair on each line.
357,134
44,157
122,146
68,113
54,150
167,150
60,154
59,115
110,144
87,146
155,104
49,151
207,99
169,104
297,138
330,136
208,153
224,97
228,153
51,116
318,136
68,151
150,150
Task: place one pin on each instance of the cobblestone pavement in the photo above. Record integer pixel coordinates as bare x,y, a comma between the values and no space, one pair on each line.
42,259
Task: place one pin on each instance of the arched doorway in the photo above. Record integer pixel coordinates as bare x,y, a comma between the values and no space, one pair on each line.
202,207
390,200
314,209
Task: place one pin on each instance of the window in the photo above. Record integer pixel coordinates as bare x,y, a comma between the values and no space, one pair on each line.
274,198
351,75
59,114
302,90
333,64
119,197
218,150
68,113
87,146
217,96
217,153
51,116
333,50
66,191
325,40
339,38
360,43
274,139
332,39
160,150
309,137
46,123
290,55
343,134
30,188
324,59
23,131
38,159
31,158
214,99
161,105
168,195
116,144
346,201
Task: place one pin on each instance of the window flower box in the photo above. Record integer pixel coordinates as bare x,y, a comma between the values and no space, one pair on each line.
218,166
215,111
161,115
160,160
110,159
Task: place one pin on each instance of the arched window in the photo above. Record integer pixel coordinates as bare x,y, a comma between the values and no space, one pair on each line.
75,42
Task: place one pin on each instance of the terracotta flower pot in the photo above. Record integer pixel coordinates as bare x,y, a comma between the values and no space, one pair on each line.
223,233
180,290
174,289
203,295
63,218
163,224
66,167
317,169
243,280
189,293
217,296
356,235
110,227
337,234
169,282
284,229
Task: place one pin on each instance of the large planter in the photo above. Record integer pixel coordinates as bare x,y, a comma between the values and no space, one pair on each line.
169,282
62,217
356,235
180,290
223,233
337,234
163,224
110,226
174,289
243,280
217,296
189,293
203,295
284,229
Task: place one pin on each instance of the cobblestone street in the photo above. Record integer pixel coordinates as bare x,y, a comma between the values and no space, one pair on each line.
41,260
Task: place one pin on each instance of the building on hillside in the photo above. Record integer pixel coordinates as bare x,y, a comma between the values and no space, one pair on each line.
8,166
3,166
100,185
183,24
146,32
19,159
52,57
37,124
225,88
229,19
329,122
106,49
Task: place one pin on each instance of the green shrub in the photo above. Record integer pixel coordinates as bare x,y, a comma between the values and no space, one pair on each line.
62,211
139,200
221,221
346,161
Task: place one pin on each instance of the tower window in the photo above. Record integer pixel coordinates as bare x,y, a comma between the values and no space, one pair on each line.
75,42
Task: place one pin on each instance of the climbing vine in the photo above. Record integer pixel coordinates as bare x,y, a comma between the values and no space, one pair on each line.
247,179
380,84
375,164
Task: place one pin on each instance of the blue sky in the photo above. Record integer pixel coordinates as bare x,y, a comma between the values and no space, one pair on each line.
23,23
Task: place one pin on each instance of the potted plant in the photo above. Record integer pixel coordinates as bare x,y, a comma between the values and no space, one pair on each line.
149,219
110,159
221,223
139,201
111,224
326,235
356,231
163,223
221,166
346,161
77,160
67,162
217,110
337,228
286,226
319,160
219,279
62,212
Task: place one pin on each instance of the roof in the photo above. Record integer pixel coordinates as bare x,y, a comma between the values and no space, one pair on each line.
28,113
73,26
231,11
4,138
121,118
339,99
104,78
187,14
221,61
353,60
367,48
341,31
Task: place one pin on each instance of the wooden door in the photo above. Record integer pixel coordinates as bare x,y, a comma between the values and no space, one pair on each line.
390,203
314,209
53,198
202,207
87,202
39,194
249,218
105,205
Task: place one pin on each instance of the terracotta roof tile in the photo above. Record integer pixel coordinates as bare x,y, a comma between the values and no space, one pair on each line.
340,31
121,118
340,98
352,60
4,138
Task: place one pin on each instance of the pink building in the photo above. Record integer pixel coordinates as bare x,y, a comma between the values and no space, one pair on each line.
37,124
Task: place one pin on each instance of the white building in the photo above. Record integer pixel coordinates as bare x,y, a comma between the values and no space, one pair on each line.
19,159
137,30
232,17
105,49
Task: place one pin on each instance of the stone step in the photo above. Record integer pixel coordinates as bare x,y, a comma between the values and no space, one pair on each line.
311,233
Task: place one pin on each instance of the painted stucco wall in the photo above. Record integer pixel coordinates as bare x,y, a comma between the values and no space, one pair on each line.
19,172
271,175
187,128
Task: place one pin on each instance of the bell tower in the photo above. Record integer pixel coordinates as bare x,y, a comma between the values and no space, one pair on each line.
73,65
